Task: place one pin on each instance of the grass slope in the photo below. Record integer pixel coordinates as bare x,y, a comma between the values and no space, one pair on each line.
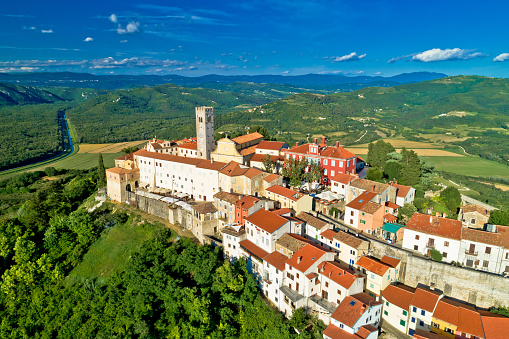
114,248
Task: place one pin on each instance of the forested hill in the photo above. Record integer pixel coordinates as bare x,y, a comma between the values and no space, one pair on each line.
11,94
165,111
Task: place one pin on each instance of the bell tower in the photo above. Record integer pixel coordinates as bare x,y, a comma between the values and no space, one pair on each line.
205,131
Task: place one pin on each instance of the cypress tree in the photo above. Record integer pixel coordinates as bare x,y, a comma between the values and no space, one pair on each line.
101,172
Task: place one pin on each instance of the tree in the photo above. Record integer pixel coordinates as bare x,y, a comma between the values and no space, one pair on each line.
392,170
406,211
378,153
375,174
262,130
101,171
451,198
314,173
410,167
498,217
269,165
436,255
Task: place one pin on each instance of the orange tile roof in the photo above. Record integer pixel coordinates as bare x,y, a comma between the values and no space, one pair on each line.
211,165
484,237
373,265
335,332
271,177
233,169
447,310
348,239
425,299
304,258
262,157
362,200
292,242
340,275
369,185
399,295
266,220
156,146
402,189
348,314
366,330
475,208
343,178
390,217
282,211
392,262
246,202
253,249
126,157
248,137
391,205
337,152
495,325
285,192
277,260
504,235
311,220
470,321
121,170
248,150
428,224
167,157
189,145
252,172
329,234
271,145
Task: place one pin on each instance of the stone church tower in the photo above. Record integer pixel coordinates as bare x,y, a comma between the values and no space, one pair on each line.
205,131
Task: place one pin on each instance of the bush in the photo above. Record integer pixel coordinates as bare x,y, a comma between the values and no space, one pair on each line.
436,256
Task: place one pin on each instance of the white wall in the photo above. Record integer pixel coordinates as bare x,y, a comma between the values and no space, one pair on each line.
395,315
351,217
263,239
452,249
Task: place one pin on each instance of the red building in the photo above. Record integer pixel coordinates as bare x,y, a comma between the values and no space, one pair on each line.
332,159
246,206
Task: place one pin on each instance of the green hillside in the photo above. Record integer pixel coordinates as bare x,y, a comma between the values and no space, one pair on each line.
470,111
165,111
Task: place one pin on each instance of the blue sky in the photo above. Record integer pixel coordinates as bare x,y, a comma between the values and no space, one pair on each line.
255,37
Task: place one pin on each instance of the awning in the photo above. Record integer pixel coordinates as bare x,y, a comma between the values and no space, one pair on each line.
392,228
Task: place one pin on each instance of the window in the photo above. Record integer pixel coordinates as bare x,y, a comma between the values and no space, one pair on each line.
386,313
290,276
416,237
405,312
326,284
421,323
332,162
325,161
413,319
423,312
386,303
444,255
414,309
416,248
351,213
469,263
435,325
371,285
341,326
472,221
446,244
488,250
372,276
485,263
363,221
339,292
297,275
402,322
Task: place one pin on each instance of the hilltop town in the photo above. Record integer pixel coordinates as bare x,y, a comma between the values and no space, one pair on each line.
330,244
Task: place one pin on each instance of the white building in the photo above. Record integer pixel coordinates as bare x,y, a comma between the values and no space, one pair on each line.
349,248
264,228
379,273
396,301
422,306
404,194
357,316
232,236
273,275
313,226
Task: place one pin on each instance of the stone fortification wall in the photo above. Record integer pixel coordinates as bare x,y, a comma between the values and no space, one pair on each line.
151,206
480,288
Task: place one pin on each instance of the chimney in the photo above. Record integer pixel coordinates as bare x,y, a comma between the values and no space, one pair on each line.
373,187
363,308
432,286
337,144
430,219
323,139
299,259
395,181
297,143
316,140
211,161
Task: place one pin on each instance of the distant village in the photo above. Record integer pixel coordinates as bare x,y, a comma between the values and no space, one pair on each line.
333,247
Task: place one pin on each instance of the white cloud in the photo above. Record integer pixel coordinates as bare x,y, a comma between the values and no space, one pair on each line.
123,41
349,57
377,73
113,18
131,27
285,72
46,31
89,39
437,54
502,57
32,28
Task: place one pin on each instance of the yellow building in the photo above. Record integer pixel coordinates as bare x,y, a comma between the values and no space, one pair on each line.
240,149
288,198
452,319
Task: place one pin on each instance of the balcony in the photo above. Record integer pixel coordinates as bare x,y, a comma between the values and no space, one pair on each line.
430,245
472,253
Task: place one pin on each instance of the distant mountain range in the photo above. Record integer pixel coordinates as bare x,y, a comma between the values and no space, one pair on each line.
86,80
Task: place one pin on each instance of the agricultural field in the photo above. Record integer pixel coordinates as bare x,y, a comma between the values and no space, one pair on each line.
422,152
399,143
110,147
469,165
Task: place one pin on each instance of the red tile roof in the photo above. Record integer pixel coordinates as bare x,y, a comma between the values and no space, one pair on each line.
340,275
335,332
253,249
366,330
126,157
343,178
362,201
285,192
266,220
348,239
211,165
470,321
167,157
282,211
348,314
391,205
328,234
337,152
247,138
252,172
390,218
292,242
495,326
481,236
261,158
425,299
304,258
233,169
248,150
121,170
246,202
271,177
428,224
399,295
447,310
277,260
504,235
189,145
402,190
271,145
228,197
373,265
392,262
